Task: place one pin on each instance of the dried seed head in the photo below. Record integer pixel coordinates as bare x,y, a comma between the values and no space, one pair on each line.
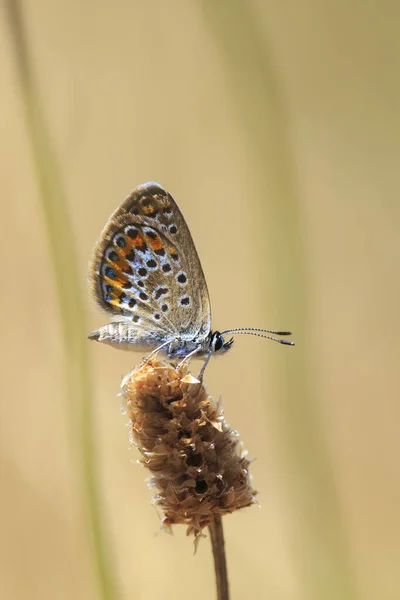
198,467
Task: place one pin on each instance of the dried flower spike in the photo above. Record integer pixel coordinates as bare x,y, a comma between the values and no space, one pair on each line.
197,464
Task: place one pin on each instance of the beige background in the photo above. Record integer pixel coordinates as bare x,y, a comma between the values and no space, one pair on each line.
275,125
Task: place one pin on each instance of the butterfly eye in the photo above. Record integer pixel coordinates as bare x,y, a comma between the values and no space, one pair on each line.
217,341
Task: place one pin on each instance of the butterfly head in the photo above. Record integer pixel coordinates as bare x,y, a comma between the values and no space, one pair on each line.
218,344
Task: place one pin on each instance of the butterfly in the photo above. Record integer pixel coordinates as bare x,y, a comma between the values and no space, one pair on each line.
146,273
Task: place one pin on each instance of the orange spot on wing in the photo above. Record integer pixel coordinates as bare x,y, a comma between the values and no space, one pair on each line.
115,302
126,250
172,252
122,252
156,244
148,209
119,280
138,241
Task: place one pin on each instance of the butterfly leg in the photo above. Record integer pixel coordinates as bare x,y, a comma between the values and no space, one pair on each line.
144,361
203,368
189,356
193,353
155,351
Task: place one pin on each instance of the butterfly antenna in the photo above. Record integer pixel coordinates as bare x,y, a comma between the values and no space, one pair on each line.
260,333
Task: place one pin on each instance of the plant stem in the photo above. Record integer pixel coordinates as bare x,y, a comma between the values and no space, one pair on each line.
266,113
218,548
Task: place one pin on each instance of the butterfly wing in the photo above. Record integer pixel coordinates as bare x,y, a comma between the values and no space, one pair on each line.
145,267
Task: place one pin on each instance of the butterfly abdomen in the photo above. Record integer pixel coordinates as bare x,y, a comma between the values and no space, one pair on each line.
124,336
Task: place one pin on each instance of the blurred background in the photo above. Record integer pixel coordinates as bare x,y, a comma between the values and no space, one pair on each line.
276,127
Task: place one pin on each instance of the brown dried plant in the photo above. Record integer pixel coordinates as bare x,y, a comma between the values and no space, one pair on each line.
196,460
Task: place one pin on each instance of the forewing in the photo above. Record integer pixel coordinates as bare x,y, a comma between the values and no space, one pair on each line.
145,266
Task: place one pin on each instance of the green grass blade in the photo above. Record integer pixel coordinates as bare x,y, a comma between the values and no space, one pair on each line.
72,307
